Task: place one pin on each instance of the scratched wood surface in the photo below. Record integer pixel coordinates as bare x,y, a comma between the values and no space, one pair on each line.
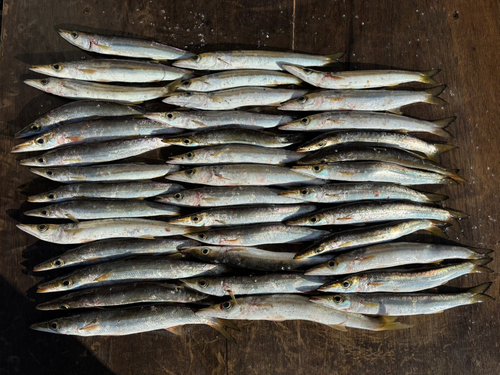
460,37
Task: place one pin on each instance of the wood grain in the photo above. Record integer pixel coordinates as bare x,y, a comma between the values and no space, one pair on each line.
462,38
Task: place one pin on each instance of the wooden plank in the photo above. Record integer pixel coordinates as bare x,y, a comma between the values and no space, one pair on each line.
459,37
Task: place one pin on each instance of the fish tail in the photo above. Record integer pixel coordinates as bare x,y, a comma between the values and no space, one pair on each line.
478,252
437,228
479,289
479,269
458,214
389,324
217,325
333,57
440,148
441,125
482,262
453,174
427,76
433,95
434,198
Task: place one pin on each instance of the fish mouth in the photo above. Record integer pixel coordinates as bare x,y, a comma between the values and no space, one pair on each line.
29,162
180,221
43,327
66,34
184,63
207,312
25,147
43,267
25,132
303,254
39,69
28,228
325,288
47,288
37,171
291,68
314,271
46,306
35,213
34,83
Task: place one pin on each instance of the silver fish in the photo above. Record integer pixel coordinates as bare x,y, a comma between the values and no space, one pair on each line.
392,255
263,284
106,172
74,89
360,79
76,111
281,307
112,70
236,78
225,216
253,235
123,46
140,269
94,131
127,321
268,60
237,153
233,98
96,152
251,257
111,190
100,251
226,196
350,192
374,212
103,209
371,171
407,281
203,119
241,174
400,304
348,239
93,230
363,100
124,294
348,120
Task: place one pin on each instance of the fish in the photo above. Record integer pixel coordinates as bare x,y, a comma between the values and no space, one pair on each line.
281,307
253,235
350,192
235,78
242,215
130,270
124,294
363,100
236,153
371,171
388,155
392,255
127,321
352,238
226,134
194,120
360,79
374,212
112,70
364,120
271,283
402,304
251,257
93,230
74,89
100,251
99,152
404,281
106,172
382,138
110,190
103,209
266,60
241,174
123,46
76,111
232,98
226,196
94,131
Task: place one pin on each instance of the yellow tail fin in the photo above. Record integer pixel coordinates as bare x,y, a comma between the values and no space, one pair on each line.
433,93
389,324
427,76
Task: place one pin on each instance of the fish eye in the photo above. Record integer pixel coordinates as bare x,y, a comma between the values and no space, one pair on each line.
43,227
52,196
187,141
54,326
64,307
58,262
44,81
67,283
346,284
188,93
205,251
302,99
307,71
331,264
42,160
338,299
170,115
202,236
74,34
185,83
190,172
57,67
321,144
45,212
316,168
195,219
203,284
317,251
226,305
304,192
178,196
50,173
35,127
40,140
305,120
314,219
196,58
189,155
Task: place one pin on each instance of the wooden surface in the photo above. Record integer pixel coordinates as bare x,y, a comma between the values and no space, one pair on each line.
460,37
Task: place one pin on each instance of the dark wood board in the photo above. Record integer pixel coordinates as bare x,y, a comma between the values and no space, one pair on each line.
462,38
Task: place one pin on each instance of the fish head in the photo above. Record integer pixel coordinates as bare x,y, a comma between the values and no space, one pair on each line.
205,237
186,99
187,140
300,124
49,212
202,61
303,103
41,143
197,175
187,158
78,38
313,145
346,285
333,267
50,196
311,220
311,251
44,232
183,198
50,264
173,118
37,161
226,309
53,70
188,85
206,253
299,72
211,286
67,282
50,85
84,298
32,129
303,194
318,170
337,301
195,220
50,173
63,326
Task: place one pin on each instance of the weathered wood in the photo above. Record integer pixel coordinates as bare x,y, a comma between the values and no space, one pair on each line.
459,37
